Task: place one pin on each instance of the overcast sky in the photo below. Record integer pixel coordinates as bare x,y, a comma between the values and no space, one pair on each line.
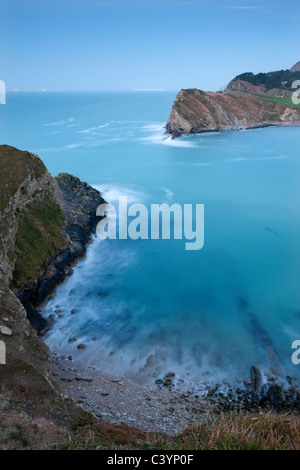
143,44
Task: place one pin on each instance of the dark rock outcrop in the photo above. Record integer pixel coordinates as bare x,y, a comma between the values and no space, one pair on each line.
256,380
79,203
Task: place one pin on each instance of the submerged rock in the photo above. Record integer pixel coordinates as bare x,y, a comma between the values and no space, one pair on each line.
170,374
84,379
256,380
168,382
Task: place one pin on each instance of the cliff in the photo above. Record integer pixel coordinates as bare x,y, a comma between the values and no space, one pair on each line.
249,101
60,223
45,225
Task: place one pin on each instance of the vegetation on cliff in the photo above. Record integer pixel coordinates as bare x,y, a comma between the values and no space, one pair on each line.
251,431
15,166
39,235
280,79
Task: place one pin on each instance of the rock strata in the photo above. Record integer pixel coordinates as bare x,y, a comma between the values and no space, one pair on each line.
195,111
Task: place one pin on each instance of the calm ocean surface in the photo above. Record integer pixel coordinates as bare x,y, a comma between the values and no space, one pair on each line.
208,314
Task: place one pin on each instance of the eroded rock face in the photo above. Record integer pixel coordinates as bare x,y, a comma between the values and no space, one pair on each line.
296,67
31,204
78,202
196,111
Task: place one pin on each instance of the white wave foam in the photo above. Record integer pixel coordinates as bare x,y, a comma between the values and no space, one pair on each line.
158,127
161,139
112,192
98,143
93,130
158,136
177,142
194,164
242,159
53,133
233,160
60,123
55,149
169,195
72,146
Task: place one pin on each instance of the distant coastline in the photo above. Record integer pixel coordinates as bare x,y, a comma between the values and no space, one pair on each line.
248,102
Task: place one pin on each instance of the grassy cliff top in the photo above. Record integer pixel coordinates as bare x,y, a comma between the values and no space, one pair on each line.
15,166
39,220
39,236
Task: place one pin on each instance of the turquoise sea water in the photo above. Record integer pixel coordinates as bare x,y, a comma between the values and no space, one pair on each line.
207,314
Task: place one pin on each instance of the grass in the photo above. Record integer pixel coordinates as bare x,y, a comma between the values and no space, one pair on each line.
266,431
286,100
18,436
230,431
14,167
38,236
39,232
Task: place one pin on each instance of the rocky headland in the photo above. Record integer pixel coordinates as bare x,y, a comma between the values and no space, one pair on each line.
249,101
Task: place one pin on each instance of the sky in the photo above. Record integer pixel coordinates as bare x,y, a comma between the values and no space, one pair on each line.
87,45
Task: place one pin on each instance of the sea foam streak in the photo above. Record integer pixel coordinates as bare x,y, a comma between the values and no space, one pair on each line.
158,136
112,191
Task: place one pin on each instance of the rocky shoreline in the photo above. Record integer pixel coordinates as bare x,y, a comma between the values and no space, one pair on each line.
163,406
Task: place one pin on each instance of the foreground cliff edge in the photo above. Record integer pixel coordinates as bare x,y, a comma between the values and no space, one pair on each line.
45,225
249,101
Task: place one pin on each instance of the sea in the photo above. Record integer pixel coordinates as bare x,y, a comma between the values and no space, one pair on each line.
145,307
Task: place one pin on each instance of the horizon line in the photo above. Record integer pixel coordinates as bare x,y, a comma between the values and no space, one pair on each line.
16,90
